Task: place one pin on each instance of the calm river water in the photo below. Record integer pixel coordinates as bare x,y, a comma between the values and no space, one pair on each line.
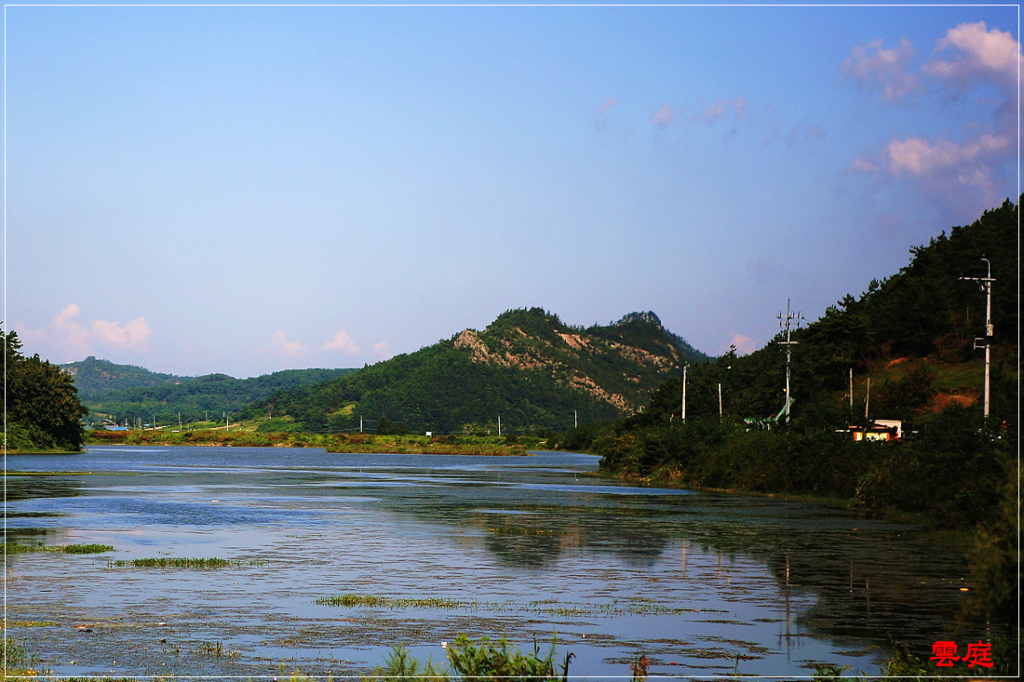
526,547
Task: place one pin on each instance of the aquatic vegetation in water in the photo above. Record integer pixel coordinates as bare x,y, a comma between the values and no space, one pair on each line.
393,603
83,549
181,562
108,678
15,548
14,653
216,649
547,607
635,606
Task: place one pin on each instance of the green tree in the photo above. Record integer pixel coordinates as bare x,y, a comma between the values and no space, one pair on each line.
42,406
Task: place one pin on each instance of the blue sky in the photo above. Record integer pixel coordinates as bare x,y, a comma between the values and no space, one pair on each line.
248,189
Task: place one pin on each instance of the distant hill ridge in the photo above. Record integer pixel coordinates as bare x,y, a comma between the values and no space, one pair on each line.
94,376
120,392
527,366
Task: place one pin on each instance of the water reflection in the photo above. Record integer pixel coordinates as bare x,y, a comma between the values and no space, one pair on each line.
36,486
703,580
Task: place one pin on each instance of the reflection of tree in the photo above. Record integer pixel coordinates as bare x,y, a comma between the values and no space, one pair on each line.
525,549
36,487
882,579
871,580
524,529
529,541
877,584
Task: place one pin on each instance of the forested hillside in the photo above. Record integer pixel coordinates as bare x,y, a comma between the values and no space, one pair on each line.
912,338
94,376
139,393
527,367
41,407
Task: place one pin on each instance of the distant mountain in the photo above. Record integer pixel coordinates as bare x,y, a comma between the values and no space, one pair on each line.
526,366
120,392
94,376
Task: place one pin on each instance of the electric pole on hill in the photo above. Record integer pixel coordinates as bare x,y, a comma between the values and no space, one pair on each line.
985,284
786,323
685,365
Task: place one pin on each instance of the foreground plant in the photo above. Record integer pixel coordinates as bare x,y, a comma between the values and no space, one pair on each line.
400,663
485,660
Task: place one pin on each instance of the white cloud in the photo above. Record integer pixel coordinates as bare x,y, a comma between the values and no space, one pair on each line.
664,117
721,108
962,176
280,345
342,342
875,67
66,340
382,350
608,104
981,56
134,334
744,344
64,317
919,157
864,166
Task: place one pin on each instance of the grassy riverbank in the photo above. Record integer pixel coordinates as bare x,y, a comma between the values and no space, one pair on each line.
36,451
406,444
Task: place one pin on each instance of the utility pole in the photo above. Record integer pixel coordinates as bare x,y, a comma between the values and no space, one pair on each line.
719,400
499,426
360,423
851,389
786,323
684,391
867,402
985,284
575,420
227,423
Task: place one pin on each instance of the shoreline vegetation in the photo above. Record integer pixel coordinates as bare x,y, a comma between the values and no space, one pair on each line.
391,444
